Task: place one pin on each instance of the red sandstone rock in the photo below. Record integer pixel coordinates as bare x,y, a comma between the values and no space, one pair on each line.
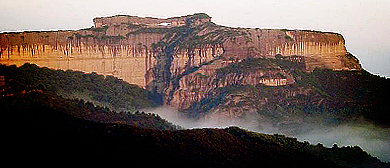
125,46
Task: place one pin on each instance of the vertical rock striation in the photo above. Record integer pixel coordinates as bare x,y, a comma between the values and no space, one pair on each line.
180,58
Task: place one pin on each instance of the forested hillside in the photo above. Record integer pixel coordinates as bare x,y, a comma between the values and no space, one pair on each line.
335,96
107,91
43,125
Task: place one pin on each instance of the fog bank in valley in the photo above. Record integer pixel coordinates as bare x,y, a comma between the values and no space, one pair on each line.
373,139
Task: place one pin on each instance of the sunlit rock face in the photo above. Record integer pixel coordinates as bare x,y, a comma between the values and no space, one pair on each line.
84,50
181,58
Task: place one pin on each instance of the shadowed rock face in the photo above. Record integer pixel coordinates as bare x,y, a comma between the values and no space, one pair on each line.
181,58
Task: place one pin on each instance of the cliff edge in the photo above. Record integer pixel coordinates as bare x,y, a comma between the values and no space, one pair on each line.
170,55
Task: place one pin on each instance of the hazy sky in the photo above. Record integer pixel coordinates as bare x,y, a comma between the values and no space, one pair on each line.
365,24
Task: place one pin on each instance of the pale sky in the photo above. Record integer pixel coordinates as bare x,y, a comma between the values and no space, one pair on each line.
365,24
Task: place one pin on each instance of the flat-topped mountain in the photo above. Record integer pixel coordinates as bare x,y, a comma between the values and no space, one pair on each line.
165,55
288,79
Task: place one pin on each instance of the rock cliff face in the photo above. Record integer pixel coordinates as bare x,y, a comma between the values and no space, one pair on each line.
182,58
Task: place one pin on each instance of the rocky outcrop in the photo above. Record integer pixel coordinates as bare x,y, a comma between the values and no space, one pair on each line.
115,46
198,86
123,24
180,57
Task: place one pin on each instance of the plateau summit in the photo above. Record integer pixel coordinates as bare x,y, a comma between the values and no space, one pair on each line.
299,83
180,57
